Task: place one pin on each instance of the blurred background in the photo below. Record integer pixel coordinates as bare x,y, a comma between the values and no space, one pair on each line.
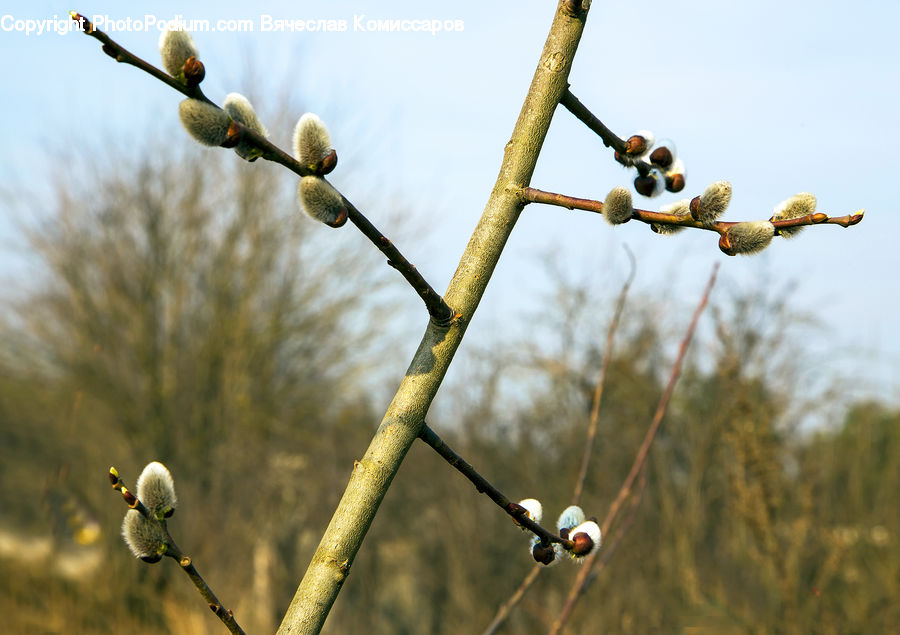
164,301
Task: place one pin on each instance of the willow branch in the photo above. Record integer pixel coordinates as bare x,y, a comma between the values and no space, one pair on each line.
516,511
533,195
517,595
609,138
174,551
405,417
439,311
580,584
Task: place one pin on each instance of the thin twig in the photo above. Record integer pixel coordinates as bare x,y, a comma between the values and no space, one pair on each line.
518,513
601,381
439,311
174,551
517,595
610,139
622,529
580,584
534,195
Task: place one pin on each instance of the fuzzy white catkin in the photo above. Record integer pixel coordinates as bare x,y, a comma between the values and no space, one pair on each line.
750,237
175,47
714,201
144,538
320,200
677,167
617,208
796,206
680,208
659,182
571,516
156,489
534,508
205,122
311,140
241,110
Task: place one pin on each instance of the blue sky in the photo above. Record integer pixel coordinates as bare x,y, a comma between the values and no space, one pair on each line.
777,97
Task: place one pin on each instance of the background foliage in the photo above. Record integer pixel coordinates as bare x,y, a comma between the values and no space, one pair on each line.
186,313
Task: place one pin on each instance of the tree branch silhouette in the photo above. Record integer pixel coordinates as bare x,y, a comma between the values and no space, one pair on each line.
580,585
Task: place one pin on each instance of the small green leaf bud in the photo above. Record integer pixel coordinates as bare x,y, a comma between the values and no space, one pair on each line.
207,123
144,538
617,208
312,144
156,489
321,201
713,202
797,206
176,47
241,110
747,238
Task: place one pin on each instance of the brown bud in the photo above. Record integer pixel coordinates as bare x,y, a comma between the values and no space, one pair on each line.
233,138
340,220
675,182
574,7
645,185
583,544
152,559
662,157
726,245
635,145
129,498
327,165
516,510
695,208
543,554
194,71
82,21
113,476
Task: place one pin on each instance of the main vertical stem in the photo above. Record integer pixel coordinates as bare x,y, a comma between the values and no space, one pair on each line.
405,417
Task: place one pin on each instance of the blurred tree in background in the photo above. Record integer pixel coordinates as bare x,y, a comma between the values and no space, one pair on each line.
188,315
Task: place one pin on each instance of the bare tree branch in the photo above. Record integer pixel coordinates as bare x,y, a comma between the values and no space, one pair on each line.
533,195
580,584
405,417
174,551
439,311
518,513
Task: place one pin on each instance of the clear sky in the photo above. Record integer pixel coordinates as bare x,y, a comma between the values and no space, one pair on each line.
777,97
